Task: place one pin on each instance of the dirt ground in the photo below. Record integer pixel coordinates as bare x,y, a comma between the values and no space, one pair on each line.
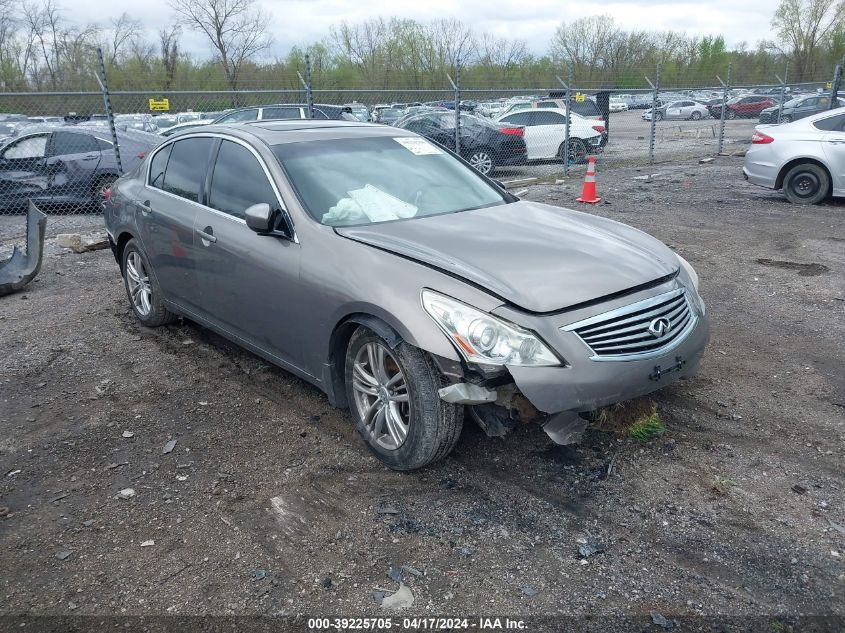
268,504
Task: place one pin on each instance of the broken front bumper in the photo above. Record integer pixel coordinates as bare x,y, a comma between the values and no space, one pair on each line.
17,271
589,385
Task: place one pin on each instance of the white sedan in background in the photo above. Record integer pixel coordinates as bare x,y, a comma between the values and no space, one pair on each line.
805,159
545,132
618,105
679,110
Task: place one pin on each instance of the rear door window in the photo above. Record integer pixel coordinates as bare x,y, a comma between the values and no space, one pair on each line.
520,118
277,112
65,143
240,115
186,167
29,147
831,123
239,181
549,118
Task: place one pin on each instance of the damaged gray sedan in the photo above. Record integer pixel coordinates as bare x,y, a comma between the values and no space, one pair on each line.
407,286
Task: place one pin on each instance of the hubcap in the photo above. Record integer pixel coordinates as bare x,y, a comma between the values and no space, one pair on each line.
805,185
139,283
482,162
577,151
381,396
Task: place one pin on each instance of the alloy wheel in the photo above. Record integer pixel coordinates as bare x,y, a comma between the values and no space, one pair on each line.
381,396
138,280
481,161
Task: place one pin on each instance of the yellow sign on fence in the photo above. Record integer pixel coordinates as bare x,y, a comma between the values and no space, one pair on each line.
160,105
829,85
579,98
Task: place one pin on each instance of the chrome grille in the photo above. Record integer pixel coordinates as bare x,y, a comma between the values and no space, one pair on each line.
646,328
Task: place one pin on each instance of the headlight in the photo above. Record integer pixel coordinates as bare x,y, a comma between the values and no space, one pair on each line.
690,271
483,338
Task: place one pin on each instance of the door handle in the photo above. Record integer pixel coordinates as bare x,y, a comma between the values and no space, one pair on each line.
145,207
837,141
207,236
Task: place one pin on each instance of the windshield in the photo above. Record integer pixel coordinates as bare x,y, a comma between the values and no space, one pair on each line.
349,182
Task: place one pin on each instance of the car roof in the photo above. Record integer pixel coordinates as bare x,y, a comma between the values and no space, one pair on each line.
277,132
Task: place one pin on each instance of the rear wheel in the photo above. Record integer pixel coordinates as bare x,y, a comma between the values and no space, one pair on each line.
577,151
482,160
731,114
807,183
394,400
142,287
696,116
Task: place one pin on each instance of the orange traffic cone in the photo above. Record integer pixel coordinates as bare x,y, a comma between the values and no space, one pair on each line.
588,193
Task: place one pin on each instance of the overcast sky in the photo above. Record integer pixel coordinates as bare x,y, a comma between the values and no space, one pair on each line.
299,22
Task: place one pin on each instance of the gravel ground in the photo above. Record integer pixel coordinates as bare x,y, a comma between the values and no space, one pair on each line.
268,504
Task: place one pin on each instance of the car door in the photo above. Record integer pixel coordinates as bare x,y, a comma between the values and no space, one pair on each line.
833,144
72,161
549,132
23,173
673,110
248,283
165,216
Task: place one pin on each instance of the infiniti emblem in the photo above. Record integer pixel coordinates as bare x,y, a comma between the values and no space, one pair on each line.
660,327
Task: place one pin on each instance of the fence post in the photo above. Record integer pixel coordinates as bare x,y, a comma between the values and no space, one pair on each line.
656,88
309,95
456,86
782,90
104,86
568,87
834,86
725,88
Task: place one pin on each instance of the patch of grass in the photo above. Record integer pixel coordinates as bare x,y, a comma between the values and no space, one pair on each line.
722,485
647,428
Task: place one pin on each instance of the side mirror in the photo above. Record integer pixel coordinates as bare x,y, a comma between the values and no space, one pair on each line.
259,217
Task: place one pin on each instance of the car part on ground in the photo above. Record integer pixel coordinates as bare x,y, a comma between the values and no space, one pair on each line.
17,271
252,229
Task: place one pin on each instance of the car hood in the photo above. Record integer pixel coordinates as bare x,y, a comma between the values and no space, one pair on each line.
534,256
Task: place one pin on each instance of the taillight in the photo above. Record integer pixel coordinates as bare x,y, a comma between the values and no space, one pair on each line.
141,155
106,194
513,131
599,129
758,138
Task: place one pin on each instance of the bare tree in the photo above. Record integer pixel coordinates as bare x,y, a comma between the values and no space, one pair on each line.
237,29
123,31
802,26
169,42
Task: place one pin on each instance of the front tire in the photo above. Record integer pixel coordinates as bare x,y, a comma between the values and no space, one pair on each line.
786,119
394,401
142,287
807,183
731,114
658,116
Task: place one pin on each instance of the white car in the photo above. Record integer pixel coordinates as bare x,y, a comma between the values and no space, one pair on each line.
805,159
618,105
545,132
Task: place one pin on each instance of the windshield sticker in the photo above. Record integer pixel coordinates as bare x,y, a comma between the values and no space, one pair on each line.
418,146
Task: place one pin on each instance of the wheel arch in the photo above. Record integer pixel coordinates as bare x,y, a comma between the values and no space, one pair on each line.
800,161
120,243
334,381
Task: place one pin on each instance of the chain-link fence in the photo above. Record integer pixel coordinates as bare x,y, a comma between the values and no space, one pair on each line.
63,149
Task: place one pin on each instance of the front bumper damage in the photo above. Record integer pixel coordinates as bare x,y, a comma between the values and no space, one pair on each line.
17,271
555,397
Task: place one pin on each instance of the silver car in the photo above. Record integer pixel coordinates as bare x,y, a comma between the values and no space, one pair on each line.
408,287
685,110
805,159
